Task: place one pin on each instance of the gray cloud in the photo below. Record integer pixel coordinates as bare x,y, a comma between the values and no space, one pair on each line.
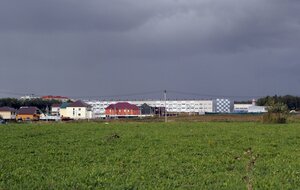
87,48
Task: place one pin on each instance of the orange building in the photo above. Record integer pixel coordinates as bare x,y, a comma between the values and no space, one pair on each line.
28,114
122,109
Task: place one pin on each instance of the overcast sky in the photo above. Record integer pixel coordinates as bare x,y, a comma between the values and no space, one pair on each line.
87,48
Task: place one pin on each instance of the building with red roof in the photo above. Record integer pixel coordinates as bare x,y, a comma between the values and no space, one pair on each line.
122,109
60,98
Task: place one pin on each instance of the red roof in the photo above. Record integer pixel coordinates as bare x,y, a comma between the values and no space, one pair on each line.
28,110
123,105
7,109
54,97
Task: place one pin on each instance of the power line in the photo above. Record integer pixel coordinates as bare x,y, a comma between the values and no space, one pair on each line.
13,93
119,95
195,94
211,95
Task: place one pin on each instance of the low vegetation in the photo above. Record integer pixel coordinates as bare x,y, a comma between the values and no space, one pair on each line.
277,113
137,155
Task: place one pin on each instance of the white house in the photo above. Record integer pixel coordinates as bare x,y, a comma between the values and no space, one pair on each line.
7,113
55,110
78,110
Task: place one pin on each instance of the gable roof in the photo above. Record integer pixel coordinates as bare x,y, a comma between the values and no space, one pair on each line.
64,105
145,106
28,110
123,105
56,105
7,109
79,103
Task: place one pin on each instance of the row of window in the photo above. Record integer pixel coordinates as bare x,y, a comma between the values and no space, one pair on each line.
119,110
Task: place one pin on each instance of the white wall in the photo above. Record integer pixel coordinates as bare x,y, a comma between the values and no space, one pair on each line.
242,107
78,113
8,115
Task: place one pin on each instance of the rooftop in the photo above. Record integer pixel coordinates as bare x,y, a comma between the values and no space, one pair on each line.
28,110
78,103
7,109
123,105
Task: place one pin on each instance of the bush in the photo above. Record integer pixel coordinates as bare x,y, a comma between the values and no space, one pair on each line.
277,113
274,118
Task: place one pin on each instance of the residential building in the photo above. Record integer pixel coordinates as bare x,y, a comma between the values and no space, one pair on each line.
78,110
60,98
63,110
8,113
29,97
55,109
147,110
122,109
28,113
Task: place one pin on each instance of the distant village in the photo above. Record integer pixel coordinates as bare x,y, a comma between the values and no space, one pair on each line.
70,109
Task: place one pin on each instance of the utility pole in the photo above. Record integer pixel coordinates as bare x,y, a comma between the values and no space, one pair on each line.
47,113
166,114
115,110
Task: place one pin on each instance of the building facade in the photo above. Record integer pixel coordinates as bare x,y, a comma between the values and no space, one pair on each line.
223,106
249,108
55,110
78,110
59,98
122,109
28,114
8,113
172,106
241,108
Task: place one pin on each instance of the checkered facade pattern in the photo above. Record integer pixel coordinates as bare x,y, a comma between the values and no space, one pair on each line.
223,106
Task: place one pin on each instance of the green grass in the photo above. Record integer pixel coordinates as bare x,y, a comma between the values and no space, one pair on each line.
149,156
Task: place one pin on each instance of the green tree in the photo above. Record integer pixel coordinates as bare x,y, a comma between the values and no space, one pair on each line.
278,112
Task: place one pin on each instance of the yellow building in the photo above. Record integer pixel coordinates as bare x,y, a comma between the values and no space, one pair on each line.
28,114
63,110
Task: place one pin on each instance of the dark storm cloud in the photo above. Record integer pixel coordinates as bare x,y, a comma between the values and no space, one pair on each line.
96,47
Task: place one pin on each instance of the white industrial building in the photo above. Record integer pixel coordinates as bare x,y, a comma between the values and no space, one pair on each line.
242,108
249,108
172,106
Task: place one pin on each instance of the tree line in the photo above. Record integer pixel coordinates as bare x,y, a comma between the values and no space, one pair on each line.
37,102
292,102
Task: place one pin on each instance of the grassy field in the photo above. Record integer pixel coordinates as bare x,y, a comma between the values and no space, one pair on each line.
137,155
